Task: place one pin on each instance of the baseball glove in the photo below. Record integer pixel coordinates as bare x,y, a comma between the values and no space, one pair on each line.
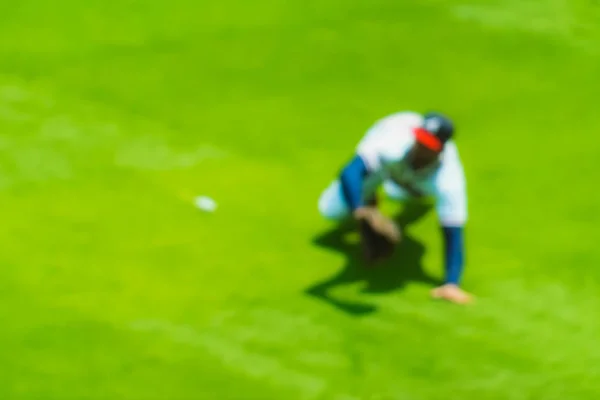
378,237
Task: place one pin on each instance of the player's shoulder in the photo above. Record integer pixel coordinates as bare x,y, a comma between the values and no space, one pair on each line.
389,138
450,174
450,148
450,155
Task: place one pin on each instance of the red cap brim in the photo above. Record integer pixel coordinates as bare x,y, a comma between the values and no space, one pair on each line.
428,139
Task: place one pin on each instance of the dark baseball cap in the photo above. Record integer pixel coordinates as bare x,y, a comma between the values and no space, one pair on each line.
435,131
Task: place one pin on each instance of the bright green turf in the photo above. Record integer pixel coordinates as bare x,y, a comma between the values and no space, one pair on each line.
115,114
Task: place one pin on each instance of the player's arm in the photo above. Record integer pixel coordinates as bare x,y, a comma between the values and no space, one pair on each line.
359,186
360,179
454,254
378,234
361,176
454,250
451,207
352,179
452,212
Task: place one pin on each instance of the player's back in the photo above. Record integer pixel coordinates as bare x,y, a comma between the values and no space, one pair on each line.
389,138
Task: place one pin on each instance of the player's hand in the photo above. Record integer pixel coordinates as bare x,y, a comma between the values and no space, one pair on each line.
380,223
452,293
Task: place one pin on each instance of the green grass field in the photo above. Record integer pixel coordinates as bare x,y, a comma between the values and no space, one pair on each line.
114,115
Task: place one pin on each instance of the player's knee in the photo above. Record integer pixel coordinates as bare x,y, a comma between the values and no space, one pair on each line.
325,209
331,206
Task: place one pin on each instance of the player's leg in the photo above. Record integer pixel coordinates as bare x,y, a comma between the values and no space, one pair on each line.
332,204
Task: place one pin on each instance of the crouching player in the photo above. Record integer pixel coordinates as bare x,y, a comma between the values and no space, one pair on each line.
410,155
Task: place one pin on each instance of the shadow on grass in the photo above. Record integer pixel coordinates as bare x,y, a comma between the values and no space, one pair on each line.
404,266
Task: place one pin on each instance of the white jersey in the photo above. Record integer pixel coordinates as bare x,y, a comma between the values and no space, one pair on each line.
385,148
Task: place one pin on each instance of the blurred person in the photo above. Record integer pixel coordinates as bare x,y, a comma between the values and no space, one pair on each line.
410,155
